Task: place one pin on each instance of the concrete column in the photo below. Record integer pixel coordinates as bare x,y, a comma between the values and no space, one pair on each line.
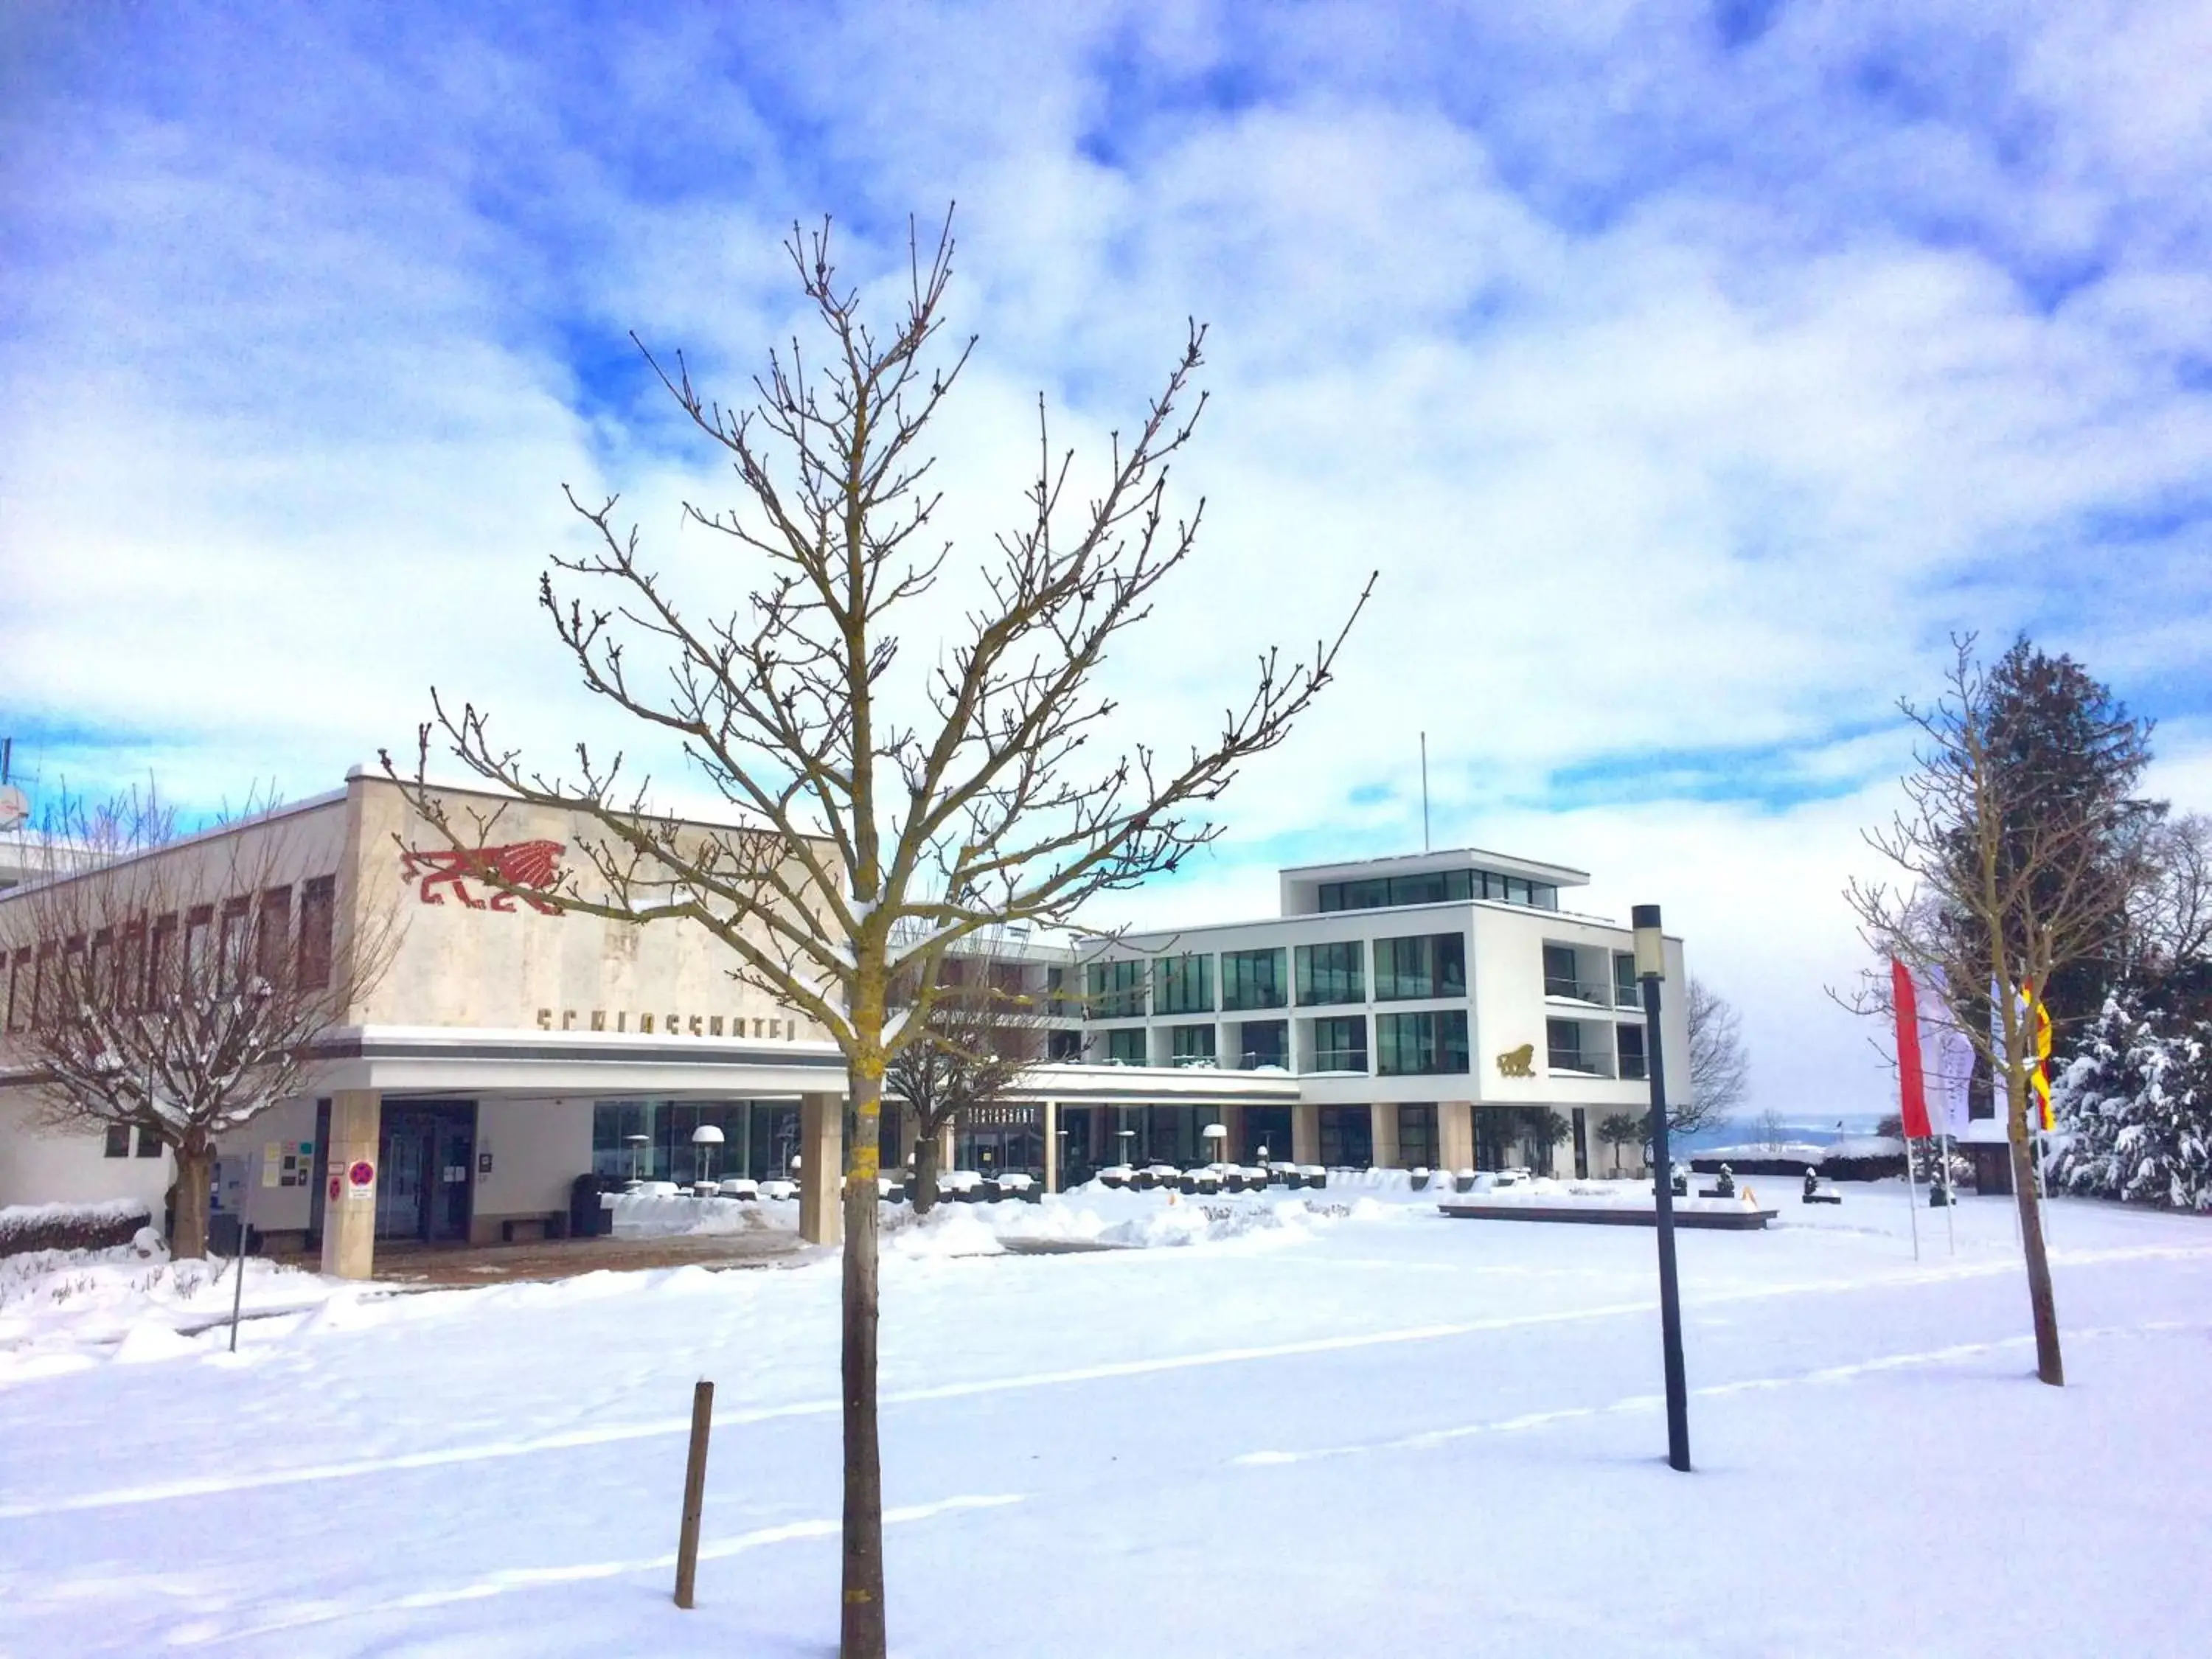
1305,1133
1232,1119
821,1169
1051,1113
1456,1135
349,1211
1382,1132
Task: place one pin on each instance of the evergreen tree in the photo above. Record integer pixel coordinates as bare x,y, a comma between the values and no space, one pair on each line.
2136,1104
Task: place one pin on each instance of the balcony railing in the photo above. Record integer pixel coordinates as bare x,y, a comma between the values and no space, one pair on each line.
1580,1059
1598,996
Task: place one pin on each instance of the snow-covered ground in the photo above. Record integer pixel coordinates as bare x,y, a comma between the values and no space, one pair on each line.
1335,1423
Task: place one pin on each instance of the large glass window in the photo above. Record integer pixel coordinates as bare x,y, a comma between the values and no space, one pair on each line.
1332,973
1436,887
1417,1045
1431,965
651,1140
1348,1137
1263,1042
1126,1047
1191,1045
1632,1052
1341,1044
1417,1137
1183,985
1560,975
1117,990
1253,979
1626,991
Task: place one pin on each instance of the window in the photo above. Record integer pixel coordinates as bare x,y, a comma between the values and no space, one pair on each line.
1430,887
1561,977
199,947
318,915
1369,895
1341,1044
119,1140
1632,1052
149,1144
1253,979
1263,1042
272,934
1117,990
1626,992
131,967
1431,965
1190,1045
161,961
1183,985
1416,1045
1064,1045
1417,1137
1348,1137
1567,1051
1126,1047
1332,973
231,944
18,991
100,988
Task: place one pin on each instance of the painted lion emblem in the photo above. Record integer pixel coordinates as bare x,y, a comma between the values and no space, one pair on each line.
522,864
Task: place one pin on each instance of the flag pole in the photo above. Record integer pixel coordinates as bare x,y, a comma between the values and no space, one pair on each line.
1950,1196
1911,1199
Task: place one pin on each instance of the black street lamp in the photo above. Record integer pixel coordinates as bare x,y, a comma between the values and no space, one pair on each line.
1652,969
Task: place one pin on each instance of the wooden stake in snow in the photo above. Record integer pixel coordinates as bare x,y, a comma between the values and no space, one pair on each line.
695,1492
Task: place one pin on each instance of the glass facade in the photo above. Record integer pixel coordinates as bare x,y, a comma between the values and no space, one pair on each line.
1429,965
1332,973
1626,991
1253,979
1117,990
1190,1045
1567,1052
1341,1044
650,1139
1437,887
1263,1042
1183,985
1348,1137
1419,1045
1561,978
1125,1046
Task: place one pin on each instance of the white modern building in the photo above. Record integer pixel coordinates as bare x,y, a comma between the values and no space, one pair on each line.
1437,1010
1441,1010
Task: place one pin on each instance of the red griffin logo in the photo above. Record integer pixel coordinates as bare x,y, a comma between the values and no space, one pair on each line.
522,864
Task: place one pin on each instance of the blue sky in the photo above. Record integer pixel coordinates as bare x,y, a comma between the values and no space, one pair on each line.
1690,372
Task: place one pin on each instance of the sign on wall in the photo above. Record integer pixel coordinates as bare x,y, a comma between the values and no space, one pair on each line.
529,864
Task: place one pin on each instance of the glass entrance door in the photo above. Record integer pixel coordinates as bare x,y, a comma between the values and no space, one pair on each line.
426,1169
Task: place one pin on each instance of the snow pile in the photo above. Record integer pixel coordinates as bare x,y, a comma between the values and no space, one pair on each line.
655,1215
1106,1218
64,1309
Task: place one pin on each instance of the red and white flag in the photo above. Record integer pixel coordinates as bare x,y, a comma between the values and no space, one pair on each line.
1935,1058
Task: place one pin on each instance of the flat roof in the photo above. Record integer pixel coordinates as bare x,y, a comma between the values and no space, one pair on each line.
1449,858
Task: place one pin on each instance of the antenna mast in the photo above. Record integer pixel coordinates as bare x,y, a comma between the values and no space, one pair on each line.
1424,792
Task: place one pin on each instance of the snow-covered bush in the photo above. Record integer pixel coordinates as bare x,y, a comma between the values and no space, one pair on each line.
25,1227
2136,1104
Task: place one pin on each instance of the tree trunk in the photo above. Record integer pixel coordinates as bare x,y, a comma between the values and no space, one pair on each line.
926,1146
194,1176
861,1626
2049,1367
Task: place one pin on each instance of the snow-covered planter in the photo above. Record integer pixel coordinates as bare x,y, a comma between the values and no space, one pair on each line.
103,1226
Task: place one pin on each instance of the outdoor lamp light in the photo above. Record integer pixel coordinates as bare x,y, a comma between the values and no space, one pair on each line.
1650,943
706,1138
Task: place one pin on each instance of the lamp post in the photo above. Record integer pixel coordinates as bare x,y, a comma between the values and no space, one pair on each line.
1650,970
706,1138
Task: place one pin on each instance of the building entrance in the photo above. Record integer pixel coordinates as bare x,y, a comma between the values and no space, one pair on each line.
426,1169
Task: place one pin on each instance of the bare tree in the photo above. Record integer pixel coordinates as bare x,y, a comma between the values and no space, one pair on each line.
982,1036
176,988
888,818
1720,1065
2170,911
2023,883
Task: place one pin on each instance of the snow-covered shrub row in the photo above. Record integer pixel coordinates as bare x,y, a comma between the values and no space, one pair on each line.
102,1226
2136,1105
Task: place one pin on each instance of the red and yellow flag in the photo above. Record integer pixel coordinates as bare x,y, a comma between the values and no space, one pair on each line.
2039,1019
